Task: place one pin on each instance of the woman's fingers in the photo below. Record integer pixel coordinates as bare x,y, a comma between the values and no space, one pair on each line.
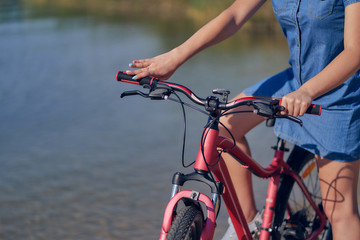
139,63
143,68
303,107
139,73
296,103
286,104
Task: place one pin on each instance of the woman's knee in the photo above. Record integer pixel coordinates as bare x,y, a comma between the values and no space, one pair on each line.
239,124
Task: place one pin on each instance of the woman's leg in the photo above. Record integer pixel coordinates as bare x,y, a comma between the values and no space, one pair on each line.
338,181
239,125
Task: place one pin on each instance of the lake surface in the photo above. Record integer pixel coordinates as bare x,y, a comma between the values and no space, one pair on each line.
78,162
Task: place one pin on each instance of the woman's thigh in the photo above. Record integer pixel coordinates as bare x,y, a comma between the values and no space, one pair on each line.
241,123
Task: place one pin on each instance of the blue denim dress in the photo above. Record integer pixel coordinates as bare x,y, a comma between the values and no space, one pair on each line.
315,33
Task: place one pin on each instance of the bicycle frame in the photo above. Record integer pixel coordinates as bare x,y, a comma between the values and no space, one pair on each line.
208,160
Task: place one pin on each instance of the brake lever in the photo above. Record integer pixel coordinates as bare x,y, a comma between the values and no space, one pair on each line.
135,92
292,118
158,93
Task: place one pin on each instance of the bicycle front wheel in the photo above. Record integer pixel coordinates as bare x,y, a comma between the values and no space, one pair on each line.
294,217
187,225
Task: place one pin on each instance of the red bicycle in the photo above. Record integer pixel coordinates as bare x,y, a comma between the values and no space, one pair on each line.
293,208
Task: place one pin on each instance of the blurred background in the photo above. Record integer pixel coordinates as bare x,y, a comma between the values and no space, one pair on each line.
78,162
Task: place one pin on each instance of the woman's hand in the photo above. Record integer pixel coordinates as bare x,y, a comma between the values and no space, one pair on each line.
161,67
296,103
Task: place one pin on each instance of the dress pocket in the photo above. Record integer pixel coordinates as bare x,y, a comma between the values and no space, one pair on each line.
279,6
321,8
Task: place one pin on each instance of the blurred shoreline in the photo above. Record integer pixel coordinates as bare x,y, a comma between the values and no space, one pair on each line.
194,12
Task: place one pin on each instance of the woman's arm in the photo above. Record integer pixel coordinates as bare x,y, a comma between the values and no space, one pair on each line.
337,72
217,30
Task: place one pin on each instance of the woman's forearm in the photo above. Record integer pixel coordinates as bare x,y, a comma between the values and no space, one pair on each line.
346,63
220,28
337,72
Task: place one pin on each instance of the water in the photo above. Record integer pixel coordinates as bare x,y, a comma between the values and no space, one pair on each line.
78,162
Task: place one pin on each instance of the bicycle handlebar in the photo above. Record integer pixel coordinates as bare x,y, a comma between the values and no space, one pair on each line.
152,83
161,90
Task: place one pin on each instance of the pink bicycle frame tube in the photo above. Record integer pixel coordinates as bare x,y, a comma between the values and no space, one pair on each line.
249,162
271,197
269,207
209,155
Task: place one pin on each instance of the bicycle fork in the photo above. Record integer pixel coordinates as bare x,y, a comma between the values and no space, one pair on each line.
193,197
216,188
207,151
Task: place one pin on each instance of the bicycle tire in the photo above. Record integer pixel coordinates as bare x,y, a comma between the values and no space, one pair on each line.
187,224
290,198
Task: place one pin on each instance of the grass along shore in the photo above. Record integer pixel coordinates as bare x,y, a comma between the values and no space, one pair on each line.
196,12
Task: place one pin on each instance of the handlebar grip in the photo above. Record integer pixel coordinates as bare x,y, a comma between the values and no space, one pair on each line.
123,77
314,109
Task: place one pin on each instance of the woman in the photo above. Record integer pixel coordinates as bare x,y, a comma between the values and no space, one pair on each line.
324,43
